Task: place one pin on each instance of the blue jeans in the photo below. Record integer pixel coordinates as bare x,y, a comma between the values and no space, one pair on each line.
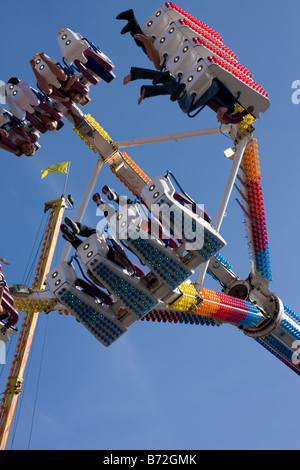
185,103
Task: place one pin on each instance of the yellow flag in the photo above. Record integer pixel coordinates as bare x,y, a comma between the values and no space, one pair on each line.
58,168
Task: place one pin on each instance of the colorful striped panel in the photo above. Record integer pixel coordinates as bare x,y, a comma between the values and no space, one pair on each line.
259,242
225,308
214,306
177,316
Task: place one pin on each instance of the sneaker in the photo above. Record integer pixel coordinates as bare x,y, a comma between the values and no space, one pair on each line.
98,199
14,81
73,226
110,193
3,316
163,78
125,15
177,94
67,235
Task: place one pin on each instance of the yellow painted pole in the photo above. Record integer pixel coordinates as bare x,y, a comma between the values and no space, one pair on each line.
15,379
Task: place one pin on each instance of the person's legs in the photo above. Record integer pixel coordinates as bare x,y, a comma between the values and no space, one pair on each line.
84,230
139,73
41,81
148,47
149,91
77,228
70,237
169,83
132,26
55,68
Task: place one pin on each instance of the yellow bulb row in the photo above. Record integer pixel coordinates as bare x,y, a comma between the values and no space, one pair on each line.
84,140
31,306
247,121
184,303
100,129
188,300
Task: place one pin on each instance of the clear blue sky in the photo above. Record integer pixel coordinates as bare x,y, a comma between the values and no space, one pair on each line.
160,386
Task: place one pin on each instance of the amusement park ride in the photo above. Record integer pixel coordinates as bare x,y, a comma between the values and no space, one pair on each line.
169,234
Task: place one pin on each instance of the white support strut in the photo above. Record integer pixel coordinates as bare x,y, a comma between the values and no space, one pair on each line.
224,202
177,136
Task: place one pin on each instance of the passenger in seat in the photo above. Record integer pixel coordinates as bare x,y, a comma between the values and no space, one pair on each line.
68,91
3,313
115,253
165,84
217,92
23,145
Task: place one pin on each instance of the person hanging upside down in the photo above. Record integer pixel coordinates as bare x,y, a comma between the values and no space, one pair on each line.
73,230
217,96
150,225
20,145
49,122
3,313
66,89
19,115
163,83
